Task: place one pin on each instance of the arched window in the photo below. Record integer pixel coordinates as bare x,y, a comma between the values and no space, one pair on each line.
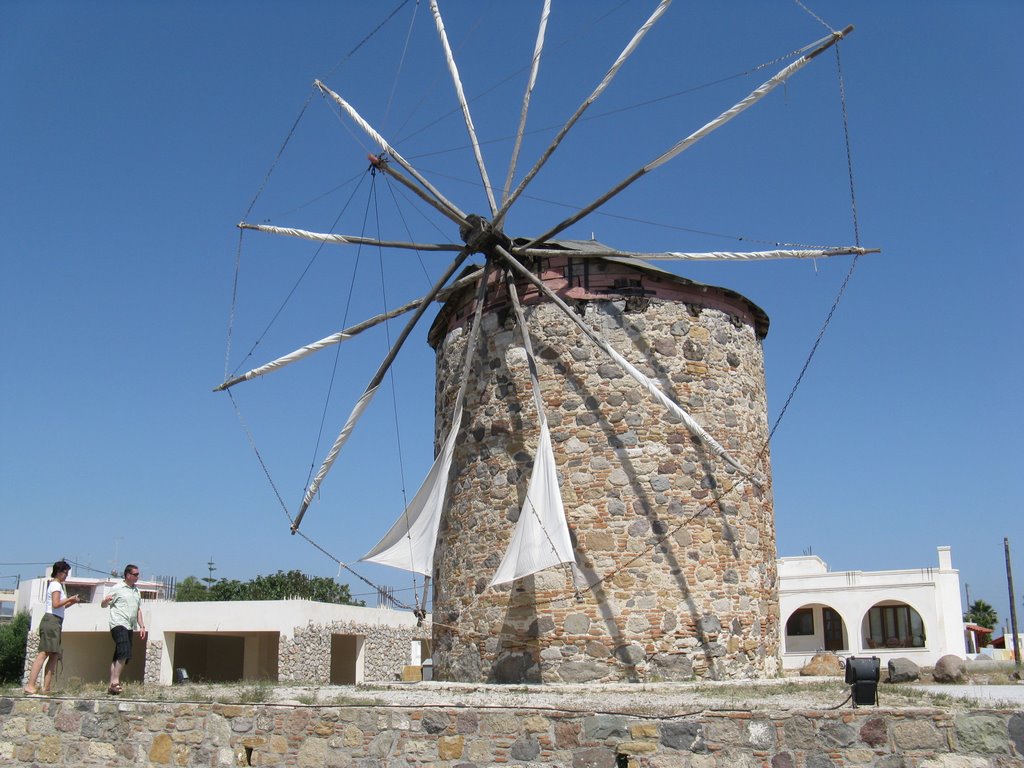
801,622
815,626
892,624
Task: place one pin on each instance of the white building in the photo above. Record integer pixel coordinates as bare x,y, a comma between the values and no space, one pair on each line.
915,614
232,641
8,601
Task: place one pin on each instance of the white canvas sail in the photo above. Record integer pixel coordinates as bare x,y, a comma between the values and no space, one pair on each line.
410,543
541,536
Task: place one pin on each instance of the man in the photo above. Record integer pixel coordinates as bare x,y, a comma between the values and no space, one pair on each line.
125,615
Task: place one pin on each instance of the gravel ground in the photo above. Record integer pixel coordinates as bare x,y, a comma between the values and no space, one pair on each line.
641,699
1012,696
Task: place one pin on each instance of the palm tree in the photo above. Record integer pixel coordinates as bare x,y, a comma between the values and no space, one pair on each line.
981,613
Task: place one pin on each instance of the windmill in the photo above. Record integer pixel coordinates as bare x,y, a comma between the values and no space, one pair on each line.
524,588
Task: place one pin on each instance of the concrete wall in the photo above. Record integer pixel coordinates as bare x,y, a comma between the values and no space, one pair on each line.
128,733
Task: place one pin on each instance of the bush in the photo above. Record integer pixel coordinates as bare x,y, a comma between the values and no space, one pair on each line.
13,637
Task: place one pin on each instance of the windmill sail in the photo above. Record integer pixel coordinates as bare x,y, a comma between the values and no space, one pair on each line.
541,536
410,543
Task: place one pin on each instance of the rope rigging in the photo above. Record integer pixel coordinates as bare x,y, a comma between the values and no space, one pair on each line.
266,179
391,378
598,115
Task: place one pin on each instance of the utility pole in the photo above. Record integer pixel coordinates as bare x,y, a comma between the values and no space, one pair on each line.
1013,606
967,592
212,567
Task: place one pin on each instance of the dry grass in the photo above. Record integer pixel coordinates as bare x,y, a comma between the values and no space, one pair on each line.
791,693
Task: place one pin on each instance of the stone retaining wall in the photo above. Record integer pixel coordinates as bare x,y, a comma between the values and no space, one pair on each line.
121,733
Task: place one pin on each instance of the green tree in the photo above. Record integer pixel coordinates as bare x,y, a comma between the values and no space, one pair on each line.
229,589
191,590
295,584
13,638
283,585
981,613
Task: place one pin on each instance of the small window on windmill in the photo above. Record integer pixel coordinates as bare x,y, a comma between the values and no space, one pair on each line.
627,286
575,273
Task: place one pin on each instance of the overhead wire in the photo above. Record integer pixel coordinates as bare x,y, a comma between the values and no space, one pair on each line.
853,263
344,323
284,508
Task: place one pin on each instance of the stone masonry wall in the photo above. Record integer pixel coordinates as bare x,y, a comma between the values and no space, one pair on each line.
154,655
682,552
307,657
67,732
31,649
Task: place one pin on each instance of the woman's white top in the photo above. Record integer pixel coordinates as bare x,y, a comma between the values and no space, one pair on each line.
55,586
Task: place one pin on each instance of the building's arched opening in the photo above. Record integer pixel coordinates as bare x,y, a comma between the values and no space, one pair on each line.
892,624
815,627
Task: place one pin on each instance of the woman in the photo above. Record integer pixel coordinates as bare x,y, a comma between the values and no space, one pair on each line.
49,628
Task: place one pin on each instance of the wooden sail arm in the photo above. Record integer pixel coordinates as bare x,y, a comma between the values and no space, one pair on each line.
371,388
499,217
755,96
328,237
530,83
380,162
386,147
806,253
695,429
453,69
524,332
345,335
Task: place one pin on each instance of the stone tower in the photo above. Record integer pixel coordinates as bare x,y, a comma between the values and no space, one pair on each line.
680,552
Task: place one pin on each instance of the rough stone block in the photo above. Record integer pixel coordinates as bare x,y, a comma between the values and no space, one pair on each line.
683,736
986,734
605,727
917,734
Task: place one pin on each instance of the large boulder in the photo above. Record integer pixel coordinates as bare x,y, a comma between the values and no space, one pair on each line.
823,665
950,669
903,670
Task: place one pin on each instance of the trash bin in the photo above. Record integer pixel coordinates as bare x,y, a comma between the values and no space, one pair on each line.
428,669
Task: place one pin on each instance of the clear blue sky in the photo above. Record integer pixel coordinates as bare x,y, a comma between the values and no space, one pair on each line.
133,137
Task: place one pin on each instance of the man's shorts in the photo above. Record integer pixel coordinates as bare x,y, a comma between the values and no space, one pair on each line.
49,633
122,643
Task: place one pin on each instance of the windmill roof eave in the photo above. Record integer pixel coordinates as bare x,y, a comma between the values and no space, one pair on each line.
566,247
595,245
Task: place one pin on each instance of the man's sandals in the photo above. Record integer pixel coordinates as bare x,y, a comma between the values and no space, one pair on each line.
114,689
